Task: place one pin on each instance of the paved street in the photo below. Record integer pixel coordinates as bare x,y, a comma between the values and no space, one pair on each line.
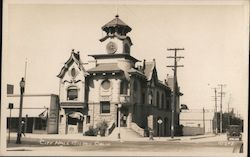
200,144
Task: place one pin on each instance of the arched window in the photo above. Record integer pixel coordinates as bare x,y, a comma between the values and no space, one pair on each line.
168,104
157,99
135,86
150,98
72,93
162,101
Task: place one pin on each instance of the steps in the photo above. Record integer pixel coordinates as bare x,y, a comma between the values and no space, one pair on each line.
125,133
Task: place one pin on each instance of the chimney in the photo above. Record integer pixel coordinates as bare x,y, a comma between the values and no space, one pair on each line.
144,65
154,62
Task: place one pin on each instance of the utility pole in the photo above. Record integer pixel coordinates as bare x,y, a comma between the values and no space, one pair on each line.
228,110
221,95
174,88
204,120
215,111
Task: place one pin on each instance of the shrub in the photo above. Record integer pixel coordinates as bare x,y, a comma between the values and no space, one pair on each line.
102,127
91,131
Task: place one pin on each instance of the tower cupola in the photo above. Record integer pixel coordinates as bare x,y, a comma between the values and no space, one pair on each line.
116,26
116,39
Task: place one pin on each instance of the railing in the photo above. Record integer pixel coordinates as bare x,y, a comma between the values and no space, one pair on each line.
111,128
137,129
124,98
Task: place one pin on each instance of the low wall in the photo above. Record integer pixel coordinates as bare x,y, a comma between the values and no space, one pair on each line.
137,129
189,131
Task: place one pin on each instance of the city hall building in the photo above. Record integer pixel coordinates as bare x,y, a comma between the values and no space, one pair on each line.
113,83
117,88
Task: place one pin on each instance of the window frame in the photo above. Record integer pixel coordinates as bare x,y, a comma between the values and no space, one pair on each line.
102,103
70,89
103,83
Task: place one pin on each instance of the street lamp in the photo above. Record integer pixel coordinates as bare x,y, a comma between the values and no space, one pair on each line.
119,120
10,107
22,84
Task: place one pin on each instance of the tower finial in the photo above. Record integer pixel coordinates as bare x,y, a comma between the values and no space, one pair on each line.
117,15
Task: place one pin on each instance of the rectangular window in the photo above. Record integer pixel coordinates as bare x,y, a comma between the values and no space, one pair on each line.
105,106
40,124
143,98
72,94
88,119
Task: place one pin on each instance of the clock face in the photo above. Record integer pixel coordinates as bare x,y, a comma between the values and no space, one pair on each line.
111,47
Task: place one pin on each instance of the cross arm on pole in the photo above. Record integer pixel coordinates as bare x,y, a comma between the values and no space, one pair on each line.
175,66
175,57
171,49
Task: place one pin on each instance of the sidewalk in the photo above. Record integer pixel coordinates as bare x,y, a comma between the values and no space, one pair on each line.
96,138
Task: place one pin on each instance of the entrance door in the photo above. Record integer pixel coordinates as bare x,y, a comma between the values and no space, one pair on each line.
124,116
75,123
80,126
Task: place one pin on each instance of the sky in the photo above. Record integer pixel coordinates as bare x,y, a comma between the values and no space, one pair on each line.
215,39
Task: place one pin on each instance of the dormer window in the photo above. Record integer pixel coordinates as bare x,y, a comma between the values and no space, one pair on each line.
72,93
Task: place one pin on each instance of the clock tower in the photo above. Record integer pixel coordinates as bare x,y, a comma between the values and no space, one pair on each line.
116,39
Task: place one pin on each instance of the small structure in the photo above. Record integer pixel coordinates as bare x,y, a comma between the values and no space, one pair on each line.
40,113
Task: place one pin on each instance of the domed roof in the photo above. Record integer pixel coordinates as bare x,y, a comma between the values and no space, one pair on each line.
116,23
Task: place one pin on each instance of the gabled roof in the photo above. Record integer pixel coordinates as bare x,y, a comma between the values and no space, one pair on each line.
135,71
149,70
163,84
74,57
105,67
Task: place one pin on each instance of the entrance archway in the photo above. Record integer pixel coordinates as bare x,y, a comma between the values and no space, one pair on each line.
74,122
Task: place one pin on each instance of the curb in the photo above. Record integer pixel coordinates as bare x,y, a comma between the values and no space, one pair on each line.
194,138
178,139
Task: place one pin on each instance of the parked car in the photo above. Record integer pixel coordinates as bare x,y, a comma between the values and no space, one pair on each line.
234,131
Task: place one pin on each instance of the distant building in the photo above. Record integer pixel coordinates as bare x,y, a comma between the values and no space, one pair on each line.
88,97
193,121
40,113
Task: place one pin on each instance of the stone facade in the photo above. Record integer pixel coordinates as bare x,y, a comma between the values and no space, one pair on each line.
114,83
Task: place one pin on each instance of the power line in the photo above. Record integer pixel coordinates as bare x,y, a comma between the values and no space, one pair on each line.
175,66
